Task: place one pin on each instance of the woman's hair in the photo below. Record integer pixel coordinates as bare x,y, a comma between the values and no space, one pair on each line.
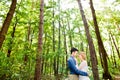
83,55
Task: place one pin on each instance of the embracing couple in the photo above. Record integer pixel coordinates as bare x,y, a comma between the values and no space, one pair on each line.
77,72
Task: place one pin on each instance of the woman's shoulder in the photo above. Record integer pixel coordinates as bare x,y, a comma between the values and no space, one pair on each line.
84,62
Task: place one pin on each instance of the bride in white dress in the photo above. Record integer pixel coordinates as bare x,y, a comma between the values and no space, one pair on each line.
83,66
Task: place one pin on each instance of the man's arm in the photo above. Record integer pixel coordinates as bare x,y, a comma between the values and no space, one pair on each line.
73,67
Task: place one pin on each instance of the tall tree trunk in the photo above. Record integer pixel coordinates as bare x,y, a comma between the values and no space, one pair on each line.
70,37
65,46
81,45
7,21
115,45
90,43
12,36
63,64
101,58
46,50
43,64
53,23
81,38
51,66
114,58
106,74
38,65
59,38
112,50
46,63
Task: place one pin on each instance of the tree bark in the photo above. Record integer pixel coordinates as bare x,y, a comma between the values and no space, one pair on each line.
70,37
38,65
81,38
90,43
59,40
7,21
81,46
106,74
112,50
53,41
46,50
65,45
115,45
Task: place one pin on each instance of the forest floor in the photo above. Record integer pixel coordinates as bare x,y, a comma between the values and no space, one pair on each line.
117,77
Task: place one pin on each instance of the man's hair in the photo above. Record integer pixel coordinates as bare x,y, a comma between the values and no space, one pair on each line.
73,49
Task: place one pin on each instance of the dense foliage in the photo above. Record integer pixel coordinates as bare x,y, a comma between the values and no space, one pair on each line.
23,45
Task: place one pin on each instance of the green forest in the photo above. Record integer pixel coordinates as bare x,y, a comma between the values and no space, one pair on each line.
36,37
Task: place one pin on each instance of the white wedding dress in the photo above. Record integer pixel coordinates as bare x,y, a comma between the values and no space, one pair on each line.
84,67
